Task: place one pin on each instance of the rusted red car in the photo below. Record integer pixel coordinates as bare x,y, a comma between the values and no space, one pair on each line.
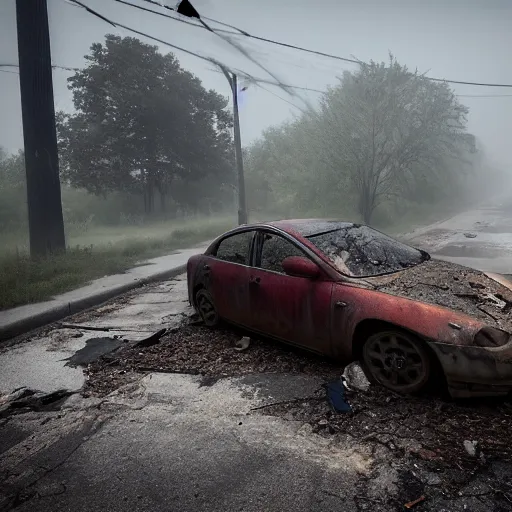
349,292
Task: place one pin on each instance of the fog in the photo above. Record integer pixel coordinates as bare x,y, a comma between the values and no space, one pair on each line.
305,144
459,40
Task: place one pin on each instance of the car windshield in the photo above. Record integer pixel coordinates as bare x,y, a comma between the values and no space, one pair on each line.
366,252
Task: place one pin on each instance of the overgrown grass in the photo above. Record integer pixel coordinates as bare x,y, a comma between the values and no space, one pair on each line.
101,251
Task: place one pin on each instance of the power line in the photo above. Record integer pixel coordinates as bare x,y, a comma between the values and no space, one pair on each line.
247,75
281,98
143,34
189,52
181,20
324,54
239,31
54,66
484,95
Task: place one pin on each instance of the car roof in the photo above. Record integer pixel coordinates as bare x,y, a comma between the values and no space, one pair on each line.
310,227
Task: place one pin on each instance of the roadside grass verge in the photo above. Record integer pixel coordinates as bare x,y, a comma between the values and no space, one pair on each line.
24,280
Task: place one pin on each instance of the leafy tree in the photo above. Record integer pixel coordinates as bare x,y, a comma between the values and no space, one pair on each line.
141,123
386,127
382,133
13,197
12,170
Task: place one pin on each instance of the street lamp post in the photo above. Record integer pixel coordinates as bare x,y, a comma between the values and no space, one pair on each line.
242,207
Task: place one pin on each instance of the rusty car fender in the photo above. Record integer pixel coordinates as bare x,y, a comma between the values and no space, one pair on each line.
429,322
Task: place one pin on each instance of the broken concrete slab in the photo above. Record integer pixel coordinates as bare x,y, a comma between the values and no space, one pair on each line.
43,362
32,365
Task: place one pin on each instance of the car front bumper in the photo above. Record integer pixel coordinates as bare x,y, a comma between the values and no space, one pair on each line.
476,371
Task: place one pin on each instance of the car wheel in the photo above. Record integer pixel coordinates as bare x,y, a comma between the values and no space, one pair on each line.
397,360
206,308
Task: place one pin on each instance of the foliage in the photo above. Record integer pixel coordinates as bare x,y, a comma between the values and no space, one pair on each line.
381,134
141,124
25,280
13,197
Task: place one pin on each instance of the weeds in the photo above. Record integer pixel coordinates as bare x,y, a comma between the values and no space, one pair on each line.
24,280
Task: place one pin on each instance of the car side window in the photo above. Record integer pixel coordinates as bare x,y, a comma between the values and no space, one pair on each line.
276,249
235,248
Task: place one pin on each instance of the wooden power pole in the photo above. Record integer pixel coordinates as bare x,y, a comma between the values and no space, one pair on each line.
46,224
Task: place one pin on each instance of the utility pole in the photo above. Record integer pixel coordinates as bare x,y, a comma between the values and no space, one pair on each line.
242,207
46,224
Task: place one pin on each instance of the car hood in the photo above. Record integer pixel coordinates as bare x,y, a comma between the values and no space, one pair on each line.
487,297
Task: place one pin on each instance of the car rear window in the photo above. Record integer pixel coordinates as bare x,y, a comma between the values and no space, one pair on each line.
366,252
235,248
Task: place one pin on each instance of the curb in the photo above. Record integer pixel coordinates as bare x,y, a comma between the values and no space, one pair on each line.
60,311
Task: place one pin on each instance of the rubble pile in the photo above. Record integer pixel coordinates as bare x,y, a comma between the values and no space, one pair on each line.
459,288
202,351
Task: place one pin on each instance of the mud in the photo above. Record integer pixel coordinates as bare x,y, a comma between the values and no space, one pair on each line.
460,288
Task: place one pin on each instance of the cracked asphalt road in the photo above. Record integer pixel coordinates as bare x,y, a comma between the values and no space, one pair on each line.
218,442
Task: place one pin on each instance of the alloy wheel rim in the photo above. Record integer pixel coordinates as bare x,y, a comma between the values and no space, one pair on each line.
395,361
206,310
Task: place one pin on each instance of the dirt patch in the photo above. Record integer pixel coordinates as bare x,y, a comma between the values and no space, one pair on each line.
208,352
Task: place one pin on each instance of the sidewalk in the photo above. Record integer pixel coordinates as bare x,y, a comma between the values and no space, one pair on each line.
22,319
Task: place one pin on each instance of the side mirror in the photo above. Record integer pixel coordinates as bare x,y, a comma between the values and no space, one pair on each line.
298,266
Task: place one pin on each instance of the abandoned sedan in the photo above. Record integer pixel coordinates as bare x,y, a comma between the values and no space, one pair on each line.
349,292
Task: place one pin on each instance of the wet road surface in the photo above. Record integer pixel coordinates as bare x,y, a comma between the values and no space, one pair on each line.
480,238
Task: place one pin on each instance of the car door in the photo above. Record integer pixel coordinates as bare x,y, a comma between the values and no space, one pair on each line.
295,309
226,275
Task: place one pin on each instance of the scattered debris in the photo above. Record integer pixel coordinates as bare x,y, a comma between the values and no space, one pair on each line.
354,378
199,350
242,344
415,502
336,396
86,327
25,399
471,447
470,235
151,340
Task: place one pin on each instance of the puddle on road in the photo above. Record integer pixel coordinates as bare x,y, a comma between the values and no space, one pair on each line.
469,251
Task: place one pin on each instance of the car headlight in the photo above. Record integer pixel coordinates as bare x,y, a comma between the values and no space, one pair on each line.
491,337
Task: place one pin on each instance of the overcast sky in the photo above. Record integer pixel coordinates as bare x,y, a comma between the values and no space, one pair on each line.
467,40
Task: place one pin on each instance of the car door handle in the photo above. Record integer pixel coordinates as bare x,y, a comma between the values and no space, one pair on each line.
340,304
207,270
254,280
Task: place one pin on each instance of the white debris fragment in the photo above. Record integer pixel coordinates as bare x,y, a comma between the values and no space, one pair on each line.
354,378
242,344
471,447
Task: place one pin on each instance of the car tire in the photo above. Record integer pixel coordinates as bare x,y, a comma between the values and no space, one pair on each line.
205,306
397,360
